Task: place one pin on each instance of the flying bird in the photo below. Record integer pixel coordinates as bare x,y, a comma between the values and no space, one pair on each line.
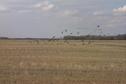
98,26
66,30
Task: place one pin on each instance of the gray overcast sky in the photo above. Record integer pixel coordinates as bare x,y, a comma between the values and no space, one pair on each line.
45,18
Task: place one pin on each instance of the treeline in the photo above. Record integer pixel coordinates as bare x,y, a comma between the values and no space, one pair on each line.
96,37
86,37
6,38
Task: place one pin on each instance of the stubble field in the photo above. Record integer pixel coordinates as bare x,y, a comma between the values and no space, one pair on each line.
59,62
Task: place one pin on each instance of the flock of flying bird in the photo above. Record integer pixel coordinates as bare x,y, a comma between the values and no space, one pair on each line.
99,30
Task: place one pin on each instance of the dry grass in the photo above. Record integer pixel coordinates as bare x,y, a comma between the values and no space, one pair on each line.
26,62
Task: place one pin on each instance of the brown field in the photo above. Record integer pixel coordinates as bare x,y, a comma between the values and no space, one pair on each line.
56,62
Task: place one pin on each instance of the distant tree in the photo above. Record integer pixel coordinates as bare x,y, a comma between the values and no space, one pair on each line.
96,37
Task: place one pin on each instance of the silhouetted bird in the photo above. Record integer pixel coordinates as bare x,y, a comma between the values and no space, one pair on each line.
66,30
98,26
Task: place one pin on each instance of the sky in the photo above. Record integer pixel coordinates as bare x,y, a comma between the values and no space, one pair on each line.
47,18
